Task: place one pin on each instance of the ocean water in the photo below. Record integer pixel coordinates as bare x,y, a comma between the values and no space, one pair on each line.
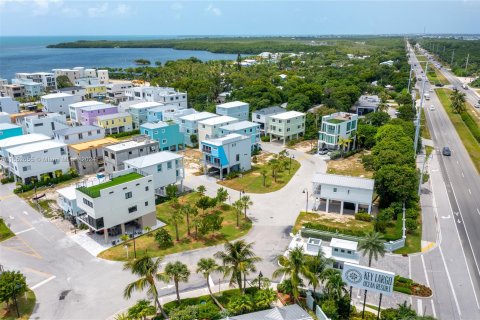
29,54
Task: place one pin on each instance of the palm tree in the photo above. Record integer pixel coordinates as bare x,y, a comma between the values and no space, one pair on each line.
148,271
238,206
187,210
317,266
334,286
246,203
238,259
176,217
263,172
201,189
458,101
141,310
295,266
373,245
206,266
344,143
176,272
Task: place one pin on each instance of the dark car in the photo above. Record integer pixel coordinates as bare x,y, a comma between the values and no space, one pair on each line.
438,84
323,151
446,151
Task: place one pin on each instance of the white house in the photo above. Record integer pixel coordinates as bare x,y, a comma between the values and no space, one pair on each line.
5,117
67,201
189,125
57,102
246,128
12,142
235,109
8,105
158,94
37,159
116,154
366,104
45,123
226,154
116,90
139,112
46,79
336,126
78,93
124,200
210,128
72,135
285,126
343,192
165,167
74,109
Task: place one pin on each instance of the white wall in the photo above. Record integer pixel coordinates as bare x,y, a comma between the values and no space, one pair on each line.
8,105
346,194
45,125
97,133
59,105
166,176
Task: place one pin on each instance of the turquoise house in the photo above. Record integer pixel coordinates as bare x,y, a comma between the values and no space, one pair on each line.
8,130
166,133
245,128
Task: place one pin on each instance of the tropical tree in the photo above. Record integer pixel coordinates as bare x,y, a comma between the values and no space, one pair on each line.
317,266
334,285
238,206
222,195
176,217
240,304
373,246
187,210
176,272
238,259
206,266
148,271
196,221
147,230
201,189
12,285
171,191
457,101
264,298
294,266
344,143
263,172
205,203
246,203
141,310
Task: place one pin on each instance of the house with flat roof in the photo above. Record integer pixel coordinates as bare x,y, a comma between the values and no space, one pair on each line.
115,122
235,109
189,125
223,155
116,90
78,93
74,109
174,115
57,102
120,202
166,133
246,128
288,312
46,79
139,112
337,127
87,157
13,90
337,191
67,201
32,89
8,130
260,116
210,128
157,113
115,155
5,117
72,135
88,115
8,105
38,159
366,104
45,123
162,95
165,167
285,126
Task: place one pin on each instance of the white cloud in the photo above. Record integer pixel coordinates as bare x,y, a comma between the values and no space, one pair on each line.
176,6
70,12
122,9
98,11
42,7
213,10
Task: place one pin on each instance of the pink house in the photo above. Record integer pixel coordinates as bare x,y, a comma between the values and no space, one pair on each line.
88,115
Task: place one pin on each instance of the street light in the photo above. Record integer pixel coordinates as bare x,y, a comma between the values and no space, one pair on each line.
134,247
241,193
260,276
306,206
290,166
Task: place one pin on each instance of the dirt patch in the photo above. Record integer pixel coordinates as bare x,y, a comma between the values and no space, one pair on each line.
305,145
351,166
191,161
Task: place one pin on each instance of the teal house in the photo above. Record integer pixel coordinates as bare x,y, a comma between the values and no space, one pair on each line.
246,128
166,133
8,130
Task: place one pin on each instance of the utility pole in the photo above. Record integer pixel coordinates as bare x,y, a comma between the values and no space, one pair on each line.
466,64
417,129
451,62
410,77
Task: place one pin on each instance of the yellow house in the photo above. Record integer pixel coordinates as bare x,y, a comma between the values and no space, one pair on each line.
95,90
115,123
87,157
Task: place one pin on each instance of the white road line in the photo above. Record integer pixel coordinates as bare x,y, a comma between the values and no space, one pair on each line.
419,306
450,282
425,270
463,176
42,282
20,232
469,191
12,217
433,309
478,211
25,213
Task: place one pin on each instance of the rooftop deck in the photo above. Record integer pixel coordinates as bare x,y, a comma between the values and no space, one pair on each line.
94,191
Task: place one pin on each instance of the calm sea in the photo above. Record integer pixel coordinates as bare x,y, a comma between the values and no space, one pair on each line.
29,54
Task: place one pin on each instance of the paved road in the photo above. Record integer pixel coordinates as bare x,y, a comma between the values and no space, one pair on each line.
461,204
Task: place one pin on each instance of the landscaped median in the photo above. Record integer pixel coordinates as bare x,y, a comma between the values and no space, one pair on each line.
168,212
5,232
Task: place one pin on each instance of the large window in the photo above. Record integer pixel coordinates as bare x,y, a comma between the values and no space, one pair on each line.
132,209
128,195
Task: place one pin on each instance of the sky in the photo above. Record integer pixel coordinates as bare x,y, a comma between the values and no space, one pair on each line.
226,17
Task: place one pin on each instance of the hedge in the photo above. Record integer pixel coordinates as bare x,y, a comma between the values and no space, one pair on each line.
403,290
124,134
471,124
319,226
27,187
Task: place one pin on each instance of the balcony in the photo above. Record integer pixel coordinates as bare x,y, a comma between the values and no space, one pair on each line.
96,224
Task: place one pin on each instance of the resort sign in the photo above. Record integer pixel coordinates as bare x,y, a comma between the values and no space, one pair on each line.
369,279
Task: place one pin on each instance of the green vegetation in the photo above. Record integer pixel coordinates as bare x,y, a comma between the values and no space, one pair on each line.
351,166
124,134
408,286
5,232
425,133
94,191
63,82
25,307
435,76
330,222
15,295
463,130
44,207
46,180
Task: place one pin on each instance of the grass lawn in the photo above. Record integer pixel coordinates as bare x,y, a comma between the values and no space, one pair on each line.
435,76
351,166
146,243
423,123
25,307
252,181
94,191
44,205
414,239
469,141
5,232
332,220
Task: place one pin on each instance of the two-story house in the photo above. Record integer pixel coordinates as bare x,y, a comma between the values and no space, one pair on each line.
115,155
79,134
115,123
8,105
235,109
210,128
246,128
45,123
189,125
286,126
57,102
338,129
88,115
139,112
260,116
74,109
166,133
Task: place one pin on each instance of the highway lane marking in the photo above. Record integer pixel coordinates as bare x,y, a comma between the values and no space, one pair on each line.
41,283
25,213
419,306
26,230
450,282
425,271
463,176
478,211
433,309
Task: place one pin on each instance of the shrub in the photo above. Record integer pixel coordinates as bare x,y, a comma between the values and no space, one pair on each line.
164,239
319,226
124,134
402,281
27,187
265,138
335,155
263,298
240,304
411,225
329,307
363,216
285,287
232,175
411,213
402,290
421,290
7,180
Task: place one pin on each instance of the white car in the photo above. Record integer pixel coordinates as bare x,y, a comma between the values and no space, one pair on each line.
432,107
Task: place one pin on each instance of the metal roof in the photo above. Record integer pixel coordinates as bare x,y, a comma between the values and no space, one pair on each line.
152,159
270,110
56,95
290,312
240,126
217,120
233,104
36,146
287,115
343,181
23,139
198,116
78,129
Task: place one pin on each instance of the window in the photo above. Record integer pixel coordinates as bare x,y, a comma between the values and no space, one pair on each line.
159,167
132,209
89,133
177,173
237,157
349,251
335,249
66,137
334,189
128,195
62,151
164,141
105,153
80,136
342,251
55,161
98,131
147,188
258,116
38,125
26,168
112,156
88,203
163,130
176,162
146,203
169,165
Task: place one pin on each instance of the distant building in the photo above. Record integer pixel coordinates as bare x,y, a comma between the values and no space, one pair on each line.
72,135
32,89
158,94
210,128
174,116
87,157
57,102
222,97
13,90
88,115
246,128
189,125
115,155
260,116
74,109
387,63
78,93
8,130
46,79
115,123
8,105
336,126
226,154
235,109
366,104
45,123
166,133
139,112
80,72
157,113
116,90
286,126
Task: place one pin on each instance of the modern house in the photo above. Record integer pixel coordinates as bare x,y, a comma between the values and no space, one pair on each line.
341,192
115,155
38,159
44,123
57,102
88,115
17,141
78,93
74,109
125,200
115,123
260,116
189,125
235,109
337,127
32,89
8,130
87,157
156,114
166,133
210,128
174,115
46,79
226,154
8,105
285,126
165,167
13,90
139,112
246,128
80,72
5,117
95,91
72,135
116,90
158,94
366,104
288,312
67,201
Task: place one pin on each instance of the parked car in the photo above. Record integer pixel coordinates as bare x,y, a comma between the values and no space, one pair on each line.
432,107
446,151
438,84
323,151
477,105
